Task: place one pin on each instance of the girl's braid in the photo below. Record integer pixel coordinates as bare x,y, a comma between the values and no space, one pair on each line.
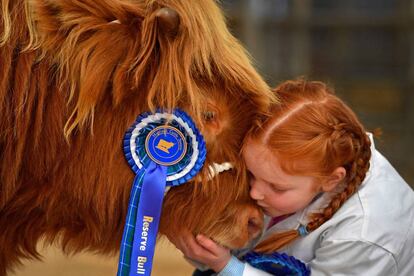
356,171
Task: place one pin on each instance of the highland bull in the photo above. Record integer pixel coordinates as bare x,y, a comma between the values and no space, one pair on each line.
74,74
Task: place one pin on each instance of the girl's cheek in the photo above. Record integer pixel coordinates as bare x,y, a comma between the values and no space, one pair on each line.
276,200
282,201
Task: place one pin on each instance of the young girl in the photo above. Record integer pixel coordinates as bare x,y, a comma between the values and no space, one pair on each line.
330,198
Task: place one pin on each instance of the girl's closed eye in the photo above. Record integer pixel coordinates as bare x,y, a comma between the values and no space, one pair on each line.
278,189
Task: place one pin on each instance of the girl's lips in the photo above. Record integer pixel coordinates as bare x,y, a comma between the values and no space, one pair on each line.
265,208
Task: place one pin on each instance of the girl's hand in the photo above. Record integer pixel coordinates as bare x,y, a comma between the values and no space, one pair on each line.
203,250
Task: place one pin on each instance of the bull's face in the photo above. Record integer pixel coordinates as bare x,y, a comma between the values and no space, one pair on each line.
217,203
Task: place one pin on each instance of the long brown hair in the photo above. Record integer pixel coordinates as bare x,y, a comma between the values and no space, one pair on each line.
314,126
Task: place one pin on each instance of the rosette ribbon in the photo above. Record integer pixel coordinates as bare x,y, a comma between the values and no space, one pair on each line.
279,264
164,149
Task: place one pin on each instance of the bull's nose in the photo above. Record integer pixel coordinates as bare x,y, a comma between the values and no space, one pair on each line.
255,225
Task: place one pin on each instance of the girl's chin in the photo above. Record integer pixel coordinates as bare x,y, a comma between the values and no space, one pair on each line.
269,213
272,213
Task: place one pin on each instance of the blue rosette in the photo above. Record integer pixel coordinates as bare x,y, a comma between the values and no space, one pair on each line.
136,151
279,264
164,149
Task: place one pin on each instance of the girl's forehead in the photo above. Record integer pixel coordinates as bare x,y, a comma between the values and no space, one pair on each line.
261,161
265,165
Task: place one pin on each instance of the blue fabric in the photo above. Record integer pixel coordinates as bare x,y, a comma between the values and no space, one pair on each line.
128,235
150,183
277,264
234,267
149,213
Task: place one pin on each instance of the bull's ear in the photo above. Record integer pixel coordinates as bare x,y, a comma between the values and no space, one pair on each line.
58,21
168,20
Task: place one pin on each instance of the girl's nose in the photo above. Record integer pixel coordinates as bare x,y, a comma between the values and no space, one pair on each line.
255,192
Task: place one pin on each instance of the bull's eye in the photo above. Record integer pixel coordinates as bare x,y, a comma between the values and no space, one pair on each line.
209,116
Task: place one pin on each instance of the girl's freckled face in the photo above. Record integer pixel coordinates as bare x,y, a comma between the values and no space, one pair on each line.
277,192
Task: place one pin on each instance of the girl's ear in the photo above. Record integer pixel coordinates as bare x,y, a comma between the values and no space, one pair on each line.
334,179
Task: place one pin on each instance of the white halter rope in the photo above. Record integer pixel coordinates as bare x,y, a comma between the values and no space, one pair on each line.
215,169
115,22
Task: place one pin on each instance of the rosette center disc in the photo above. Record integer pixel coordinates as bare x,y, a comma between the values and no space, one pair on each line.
166,145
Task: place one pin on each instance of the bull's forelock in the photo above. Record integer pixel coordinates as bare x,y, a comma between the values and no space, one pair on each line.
139,54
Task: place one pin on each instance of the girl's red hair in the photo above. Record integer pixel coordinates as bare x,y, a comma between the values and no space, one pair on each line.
314,132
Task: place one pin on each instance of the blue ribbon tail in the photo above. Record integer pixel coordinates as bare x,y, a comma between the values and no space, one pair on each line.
147,220
125,253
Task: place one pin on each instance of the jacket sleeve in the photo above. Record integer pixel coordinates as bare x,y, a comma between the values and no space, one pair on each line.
348,257
235,267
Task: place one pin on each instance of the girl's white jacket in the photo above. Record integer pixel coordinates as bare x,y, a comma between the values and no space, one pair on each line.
371,234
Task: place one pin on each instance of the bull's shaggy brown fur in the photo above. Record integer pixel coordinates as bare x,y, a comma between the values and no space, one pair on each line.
74,74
